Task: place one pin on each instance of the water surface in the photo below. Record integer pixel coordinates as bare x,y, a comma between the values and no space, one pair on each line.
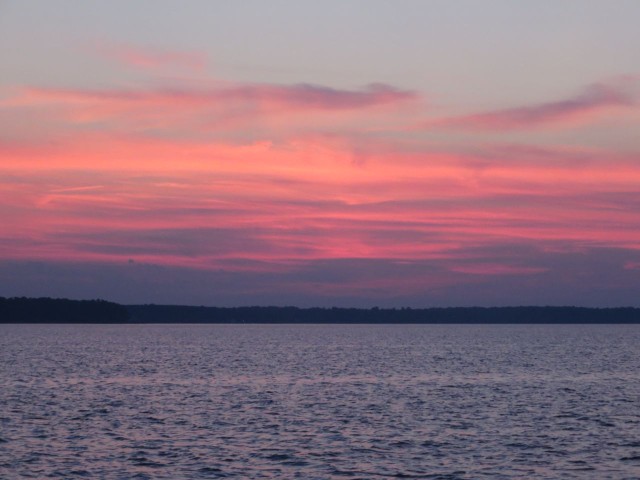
320,401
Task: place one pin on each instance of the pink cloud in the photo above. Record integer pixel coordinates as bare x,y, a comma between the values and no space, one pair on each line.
596,100
293,97
104,186
238,111
309,200
304,197
153,58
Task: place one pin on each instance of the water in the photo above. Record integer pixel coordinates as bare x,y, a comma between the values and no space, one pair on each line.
319,401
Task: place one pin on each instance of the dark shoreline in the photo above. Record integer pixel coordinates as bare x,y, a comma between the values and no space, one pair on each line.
48,310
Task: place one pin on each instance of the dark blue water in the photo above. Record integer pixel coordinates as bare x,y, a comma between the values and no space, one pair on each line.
319,401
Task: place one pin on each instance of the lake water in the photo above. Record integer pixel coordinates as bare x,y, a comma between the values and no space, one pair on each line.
320,401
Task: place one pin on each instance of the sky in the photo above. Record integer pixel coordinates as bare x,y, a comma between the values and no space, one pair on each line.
340,153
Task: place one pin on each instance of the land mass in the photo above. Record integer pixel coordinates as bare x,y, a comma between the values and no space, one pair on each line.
49,310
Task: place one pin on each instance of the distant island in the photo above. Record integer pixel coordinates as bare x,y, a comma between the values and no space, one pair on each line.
49,310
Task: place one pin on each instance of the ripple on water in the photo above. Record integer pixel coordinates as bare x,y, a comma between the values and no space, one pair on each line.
334,401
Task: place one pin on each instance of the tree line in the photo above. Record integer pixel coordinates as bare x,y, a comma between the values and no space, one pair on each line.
59,310
49,310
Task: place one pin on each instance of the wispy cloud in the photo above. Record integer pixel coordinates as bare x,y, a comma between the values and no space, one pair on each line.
596,100
299,96
148,58
216,110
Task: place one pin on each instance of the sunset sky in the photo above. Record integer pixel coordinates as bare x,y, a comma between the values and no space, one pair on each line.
320,153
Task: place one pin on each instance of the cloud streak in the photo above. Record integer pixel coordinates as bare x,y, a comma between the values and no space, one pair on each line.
152,58
595,101
224,110
288,97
